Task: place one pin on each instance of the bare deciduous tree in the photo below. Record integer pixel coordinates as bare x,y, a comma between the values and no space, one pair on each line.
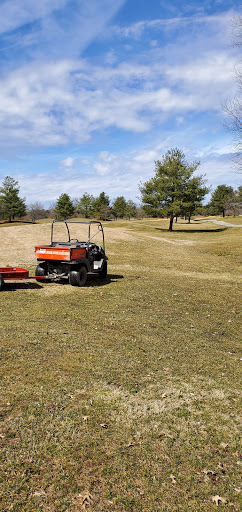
233,108
36,211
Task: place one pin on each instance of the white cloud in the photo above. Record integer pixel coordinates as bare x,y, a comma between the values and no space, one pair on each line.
136,30
14,13
67,101
106,163
67,162
212,68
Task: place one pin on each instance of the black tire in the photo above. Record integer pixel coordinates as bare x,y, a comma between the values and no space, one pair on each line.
103,273
41,270
1,283
78,277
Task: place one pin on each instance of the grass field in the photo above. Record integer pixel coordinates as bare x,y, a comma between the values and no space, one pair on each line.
124,395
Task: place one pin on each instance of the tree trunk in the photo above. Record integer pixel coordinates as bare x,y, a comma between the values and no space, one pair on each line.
171,222
223,214
189,219
176,219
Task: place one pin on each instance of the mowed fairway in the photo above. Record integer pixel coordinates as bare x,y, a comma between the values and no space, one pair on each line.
124,395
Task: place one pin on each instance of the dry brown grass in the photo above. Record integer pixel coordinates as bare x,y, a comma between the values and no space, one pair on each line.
124,395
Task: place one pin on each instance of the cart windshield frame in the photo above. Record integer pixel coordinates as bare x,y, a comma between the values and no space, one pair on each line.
88,224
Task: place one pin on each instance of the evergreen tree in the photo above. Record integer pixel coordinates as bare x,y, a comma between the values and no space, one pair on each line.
105,212
119,206
85,205
239,194
64,207
11,205
166,194
130,209
219,199
195,192
234,202
99,205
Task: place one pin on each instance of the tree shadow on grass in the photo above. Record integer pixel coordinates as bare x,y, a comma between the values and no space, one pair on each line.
216,230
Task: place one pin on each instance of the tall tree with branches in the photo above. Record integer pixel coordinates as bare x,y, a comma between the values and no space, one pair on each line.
11,205
233,108
172,190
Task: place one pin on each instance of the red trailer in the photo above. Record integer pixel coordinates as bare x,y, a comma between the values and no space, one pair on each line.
15,273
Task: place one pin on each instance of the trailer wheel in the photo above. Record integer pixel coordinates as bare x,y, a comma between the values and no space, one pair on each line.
103,273
78,277
1,283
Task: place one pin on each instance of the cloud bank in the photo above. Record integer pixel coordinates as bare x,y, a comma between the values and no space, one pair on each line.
105,100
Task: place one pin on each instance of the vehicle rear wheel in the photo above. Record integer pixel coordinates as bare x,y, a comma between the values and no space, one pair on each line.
78,277
104,271
1,282
41,270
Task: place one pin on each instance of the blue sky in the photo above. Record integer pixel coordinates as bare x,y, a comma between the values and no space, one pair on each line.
92,92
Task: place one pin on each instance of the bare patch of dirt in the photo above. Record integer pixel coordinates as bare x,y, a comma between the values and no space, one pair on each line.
17,243
143,404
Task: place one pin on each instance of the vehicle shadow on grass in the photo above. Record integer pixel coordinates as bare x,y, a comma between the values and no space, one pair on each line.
12,287
92,281
217,230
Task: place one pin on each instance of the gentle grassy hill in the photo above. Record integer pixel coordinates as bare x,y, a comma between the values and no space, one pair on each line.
124,395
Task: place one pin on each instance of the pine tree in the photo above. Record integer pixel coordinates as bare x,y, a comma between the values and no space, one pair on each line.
167,194
11,205
219,199
64,207
85,205
119,206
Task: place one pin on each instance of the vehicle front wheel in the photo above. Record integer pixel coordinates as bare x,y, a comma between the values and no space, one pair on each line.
78,277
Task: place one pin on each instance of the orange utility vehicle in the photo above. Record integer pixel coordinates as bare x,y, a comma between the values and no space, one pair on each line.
72,259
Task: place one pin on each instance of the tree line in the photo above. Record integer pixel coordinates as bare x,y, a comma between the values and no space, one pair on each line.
174,191
88,206
95,207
